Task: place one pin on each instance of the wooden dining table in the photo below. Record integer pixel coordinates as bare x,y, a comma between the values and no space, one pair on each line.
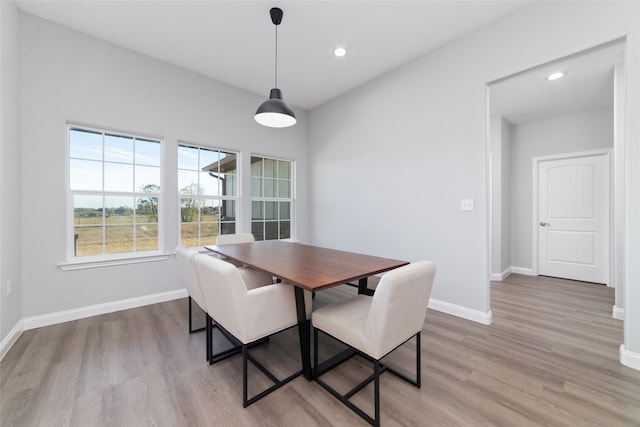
310,268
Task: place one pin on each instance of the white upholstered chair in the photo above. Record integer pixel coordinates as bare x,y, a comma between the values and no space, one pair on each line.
252,279
230,239
185,258
249,314
375,326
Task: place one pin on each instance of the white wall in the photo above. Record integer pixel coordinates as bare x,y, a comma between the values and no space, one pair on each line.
68,76
10,243
499,152
618,185
391,160
505,190
565,134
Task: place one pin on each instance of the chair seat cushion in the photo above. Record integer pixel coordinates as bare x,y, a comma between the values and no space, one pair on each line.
345,320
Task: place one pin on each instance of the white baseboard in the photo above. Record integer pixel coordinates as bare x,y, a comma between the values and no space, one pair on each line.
628,358
522,270
460,311
499,277
95,310
11,338
618,313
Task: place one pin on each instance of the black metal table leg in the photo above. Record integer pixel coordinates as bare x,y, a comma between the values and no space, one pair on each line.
362,286
304,334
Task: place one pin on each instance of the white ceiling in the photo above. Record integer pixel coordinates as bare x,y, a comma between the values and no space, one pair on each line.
233,41
588,85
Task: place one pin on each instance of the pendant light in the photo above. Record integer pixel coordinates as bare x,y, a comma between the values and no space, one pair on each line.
274,112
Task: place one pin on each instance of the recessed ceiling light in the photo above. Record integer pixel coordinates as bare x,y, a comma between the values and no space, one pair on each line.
340,51
556,76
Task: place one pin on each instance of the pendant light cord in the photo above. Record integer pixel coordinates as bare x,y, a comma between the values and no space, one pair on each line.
276,56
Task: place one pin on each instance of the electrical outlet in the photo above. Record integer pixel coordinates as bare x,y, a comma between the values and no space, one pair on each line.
466,205
9,283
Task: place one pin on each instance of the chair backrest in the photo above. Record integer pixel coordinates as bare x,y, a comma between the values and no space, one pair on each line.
229,239
399,306
185,258
223,289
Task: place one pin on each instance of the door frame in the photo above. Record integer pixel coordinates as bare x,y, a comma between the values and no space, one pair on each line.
534,215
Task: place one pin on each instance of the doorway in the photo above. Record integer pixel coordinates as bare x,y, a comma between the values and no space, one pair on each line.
520,106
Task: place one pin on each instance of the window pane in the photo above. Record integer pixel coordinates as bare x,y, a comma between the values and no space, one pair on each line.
188,182
85,175
208,233
271,210
269,168
284,169
118,177
189,235
208,158
269,187
210,185
118,238
87,210
285,229
257,228
256,166
147,176
256,187
88,240
147,237
285,210
257,210
271,230
118,149
118,210
228,162
284,189
187,158
228,210
209,211
85,145
146,209
147,152
189,210
230,185
228,228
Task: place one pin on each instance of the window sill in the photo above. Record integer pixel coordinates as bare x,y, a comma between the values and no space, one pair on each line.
81,264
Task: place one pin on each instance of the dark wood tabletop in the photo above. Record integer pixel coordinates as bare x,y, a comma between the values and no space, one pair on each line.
309,267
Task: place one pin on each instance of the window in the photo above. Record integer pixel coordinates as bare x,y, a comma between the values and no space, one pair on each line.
271,198
207,192
114,183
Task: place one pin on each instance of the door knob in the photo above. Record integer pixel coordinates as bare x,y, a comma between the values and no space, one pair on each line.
544,224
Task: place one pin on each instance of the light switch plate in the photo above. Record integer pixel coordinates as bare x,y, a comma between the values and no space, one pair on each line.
466,204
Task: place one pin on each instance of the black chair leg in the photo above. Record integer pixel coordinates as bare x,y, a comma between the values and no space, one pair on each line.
190,316
315,353
376,387
418,352
209,328
244,376
191,330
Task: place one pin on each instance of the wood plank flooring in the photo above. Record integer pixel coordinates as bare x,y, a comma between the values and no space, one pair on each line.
550,358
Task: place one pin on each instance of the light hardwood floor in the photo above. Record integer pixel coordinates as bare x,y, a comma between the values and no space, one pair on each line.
549,358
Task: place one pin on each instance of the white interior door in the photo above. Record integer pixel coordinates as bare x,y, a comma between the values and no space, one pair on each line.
573,218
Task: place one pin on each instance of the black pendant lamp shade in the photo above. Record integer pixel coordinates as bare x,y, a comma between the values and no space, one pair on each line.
274,112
